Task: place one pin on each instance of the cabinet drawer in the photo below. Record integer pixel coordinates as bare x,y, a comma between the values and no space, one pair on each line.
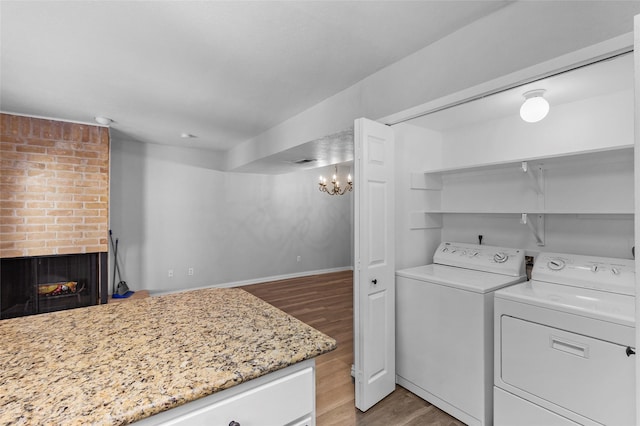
282,401
307,421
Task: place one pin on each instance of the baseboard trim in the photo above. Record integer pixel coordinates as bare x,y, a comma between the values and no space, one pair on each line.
257,280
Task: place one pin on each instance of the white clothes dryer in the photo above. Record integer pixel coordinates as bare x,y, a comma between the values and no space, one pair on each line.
565,344
444,326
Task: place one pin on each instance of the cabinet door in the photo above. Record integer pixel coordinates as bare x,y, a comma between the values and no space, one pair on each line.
374,276
283,401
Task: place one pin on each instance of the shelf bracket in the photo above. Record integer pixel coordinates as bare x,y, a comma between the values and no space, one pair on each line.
536,229
535,176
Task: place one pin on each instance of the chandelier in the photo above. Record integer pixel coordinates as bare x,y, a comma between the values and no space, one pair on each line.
336,190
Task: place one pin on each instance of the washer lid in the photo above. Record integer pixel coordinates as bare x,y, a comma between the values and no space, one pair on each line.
463,279
604,306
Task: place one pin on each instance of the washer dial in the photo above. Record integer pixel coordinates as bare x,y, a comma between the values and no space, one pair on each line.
500,257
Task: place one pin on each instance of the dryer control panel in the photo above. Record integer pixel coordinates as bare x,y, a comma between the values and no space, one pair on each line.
599,273
499,260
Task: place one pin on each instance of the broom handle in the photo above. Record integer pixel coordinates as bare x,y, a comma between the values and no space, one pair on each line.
115,263
117,266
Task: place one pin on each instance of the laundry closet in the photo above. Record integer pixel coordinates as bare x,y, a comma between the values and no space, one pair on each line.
562,184
473,172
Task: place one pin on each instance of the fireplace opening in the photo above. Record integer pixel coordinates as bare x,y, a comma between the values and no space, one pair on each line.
35,285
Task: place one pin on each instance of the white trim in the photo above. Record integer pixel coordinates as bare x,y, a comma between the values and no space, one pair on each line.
578,58
257,280
637,200
39,117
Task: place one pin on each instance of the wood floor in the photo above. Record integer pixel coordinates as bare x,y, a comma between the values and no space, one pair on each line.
326,303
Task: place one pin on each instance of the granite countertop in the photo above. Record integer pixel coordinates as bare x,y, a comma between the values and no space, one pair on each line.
114,364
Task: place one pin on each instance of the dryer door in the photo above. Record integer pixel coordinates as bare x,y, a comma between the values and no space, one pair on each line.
590,377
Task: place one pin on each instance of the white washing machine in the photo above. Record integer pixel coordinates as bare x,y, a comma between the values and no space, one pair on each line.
444,326
565,344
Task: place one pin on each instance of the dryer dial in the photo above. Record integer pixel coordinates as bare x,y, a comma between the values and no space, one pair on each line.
556,264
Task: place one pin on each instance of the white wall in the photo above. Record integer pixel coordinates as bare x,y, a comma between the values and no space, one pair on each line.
600,182
417,149
592,124
172,212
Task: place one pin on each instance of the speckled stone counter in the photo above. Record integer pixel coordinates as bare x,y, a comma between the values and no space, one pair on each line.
117,363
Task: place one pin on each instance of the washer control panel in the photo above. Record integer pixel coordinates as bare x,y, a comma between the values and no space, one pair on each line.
499,260
599,273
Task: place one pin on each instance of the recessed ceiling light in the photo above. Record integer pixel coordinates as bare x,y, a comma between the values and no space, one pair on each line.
186,135
105,121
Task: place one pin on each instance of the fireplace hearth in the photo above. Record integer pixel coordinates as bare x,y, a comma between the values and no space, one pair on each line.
40,284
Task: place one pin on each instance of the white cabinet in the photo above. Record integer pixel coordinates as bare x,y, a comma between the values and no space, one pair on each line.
282,398
596,185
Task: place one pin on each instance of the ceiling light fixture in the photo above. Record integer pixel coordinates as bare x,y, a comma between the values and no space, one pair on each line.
535,106
105,121
186,135
336,190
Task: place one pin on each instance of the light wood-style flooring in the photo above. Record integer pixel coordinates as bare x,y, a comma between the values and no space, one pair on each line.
326,303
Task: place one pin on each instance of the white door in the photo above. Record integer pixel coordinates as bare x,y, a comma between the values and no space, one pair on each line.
374,275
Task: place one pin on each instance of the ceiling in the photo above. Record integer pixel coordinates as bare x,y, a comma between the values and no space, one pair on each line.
223,72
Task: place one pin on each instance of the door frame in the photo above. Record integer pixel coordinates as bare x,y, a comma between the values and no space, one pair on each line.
585,56
637,196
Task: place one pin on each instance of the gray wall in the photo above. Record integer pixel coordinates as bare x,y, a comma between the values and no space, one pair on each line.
171,211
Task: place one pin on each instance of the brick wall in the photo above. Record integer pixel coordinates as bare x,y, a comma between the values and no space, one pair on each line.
54,187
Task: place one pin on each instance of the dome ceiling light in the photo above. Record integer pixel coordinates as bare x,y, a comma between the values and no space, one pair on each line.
535,106
105,121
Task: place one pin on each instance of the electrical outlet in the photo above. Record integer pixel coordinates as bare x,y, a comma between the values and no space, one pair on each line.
170,273
190,272
298,259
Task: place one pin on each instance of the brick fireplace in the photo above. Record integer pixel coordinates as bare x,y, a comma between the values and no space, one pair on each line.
54,199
